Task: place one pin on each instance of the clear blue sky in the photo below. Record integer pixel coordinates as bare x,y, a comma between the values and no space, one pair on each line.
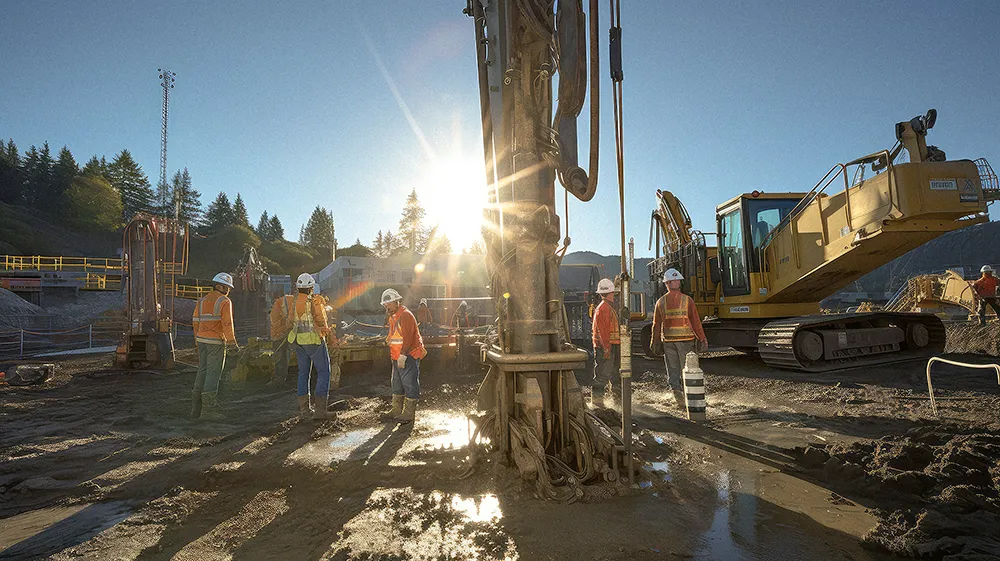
288,104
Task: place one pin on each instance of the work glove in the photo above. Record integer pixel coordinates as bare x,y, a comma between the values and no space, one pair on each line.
401,361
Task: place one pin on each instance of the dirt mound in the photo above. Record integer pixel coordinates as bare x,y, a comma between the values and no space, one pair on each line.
973,338
943,485
13,308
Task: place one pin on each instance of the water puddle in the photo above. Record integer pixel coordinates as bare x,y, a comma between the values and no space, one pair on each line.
43,532
433,431
401,524
733,530
335,449
661,469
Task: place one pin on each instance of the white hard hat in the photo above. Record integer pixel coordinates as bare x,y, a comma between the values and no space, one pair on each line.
464,304
390,295
672,275
224,279
305,280
423,301
986,269
606,286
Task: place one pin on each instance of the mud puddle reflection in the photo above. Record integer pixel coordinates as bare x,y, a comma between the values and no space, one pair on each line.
401,524
335,449
433,431
43,532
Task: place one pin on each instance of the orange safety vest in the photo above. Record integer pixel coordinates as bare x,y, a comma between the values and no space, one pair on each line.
212,321
396,339
676,324
614,337
281,317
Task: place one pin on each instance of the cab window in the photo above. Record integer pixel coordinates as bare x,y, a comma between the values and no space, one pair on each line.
732,253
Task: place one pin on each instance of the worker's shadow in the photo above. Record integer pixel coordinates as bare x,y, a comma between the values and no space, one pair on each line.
383,446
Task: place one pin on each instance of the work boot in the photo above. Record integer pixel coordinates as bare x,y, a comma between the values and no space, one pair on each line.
305,410
210,410
397,409
195,404
320,412
408,413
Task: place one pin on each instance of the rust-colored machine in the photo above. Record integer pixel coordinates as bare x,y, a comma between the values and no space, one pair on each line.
536,412
780,254
931,292
154,254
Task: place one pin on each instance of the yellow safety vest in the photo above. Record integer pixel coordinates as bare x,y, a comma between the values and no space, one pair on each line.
303,326
676,325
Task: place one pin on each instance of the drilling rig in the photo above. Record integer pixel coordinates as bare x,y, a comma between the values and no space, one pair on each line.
154,253
536,412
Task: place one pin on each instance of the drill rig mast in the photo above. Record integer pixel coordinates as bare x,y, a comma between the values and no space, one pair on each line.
537,414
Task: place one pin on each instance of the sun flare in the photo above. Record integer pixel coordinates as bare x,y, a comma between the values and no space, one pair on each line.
453,192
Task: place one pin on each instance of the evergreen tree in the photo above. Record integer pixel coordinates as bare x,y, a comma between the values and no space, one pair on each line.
276,231
319,233
378,245
190,200
64,172
264,227
476,248
393,245
219,213
438,242
412,233
163,200
240,216
127,177
96,168
357,250
92,204
11,179
37,172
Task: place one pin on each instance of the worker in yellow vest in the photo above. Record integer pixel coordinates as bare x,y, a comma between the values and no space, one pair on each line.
212,323
676,324
308,338
406,348
607,344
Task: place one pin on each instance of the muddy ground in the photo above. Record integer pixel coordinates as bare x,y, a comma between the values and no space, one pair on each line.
98,464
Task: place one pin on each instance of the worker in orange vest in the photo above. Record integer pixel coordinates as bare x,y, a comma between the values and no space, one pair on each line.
424,316
406,348
607,344
212,323
986,289
281,325
308,337
676,324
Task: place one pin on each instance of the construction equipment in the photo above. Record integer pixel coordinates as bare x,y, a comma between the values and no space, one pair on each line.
779,254
932,292
535,410
154,253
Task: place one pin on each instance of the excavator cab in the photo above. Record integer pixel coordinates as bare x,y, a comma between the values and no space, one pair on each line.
744,225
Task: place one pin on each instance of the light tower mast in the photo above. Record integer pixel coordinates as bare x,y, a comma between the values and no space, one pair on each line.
167,79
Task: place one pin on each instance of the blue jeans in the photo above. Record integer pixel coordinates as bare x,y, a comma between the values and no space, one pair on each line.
407,380
313,355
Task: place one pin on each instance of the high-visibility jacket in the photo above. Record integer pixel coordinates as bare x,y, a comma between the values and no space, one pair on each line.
424,315
986,286
281,317
675,318
605,326
404,336
308,320
212,320
461,318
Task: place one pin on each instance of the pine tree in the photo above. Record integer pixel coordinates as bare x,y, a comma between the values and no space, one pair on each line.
357,250
438,242
276,230
412,233
240,215
37,172
264,227
163,200
219,213
127,177
190,200
319,232
64,172
96,168
11,179
378,245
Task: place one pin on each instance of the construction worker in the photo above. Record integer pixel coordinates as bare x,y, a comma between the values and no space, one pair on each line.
308,338
676,324
986,288
281,325
605,335
406,348
424,316
212,323
461,318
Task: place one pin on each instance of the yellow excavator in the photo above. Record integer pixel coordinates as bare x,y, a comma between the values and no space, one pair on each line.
779,254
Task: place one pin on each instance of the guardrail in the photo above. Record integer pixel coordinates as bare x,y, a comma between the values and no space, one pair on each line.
112,265
25,343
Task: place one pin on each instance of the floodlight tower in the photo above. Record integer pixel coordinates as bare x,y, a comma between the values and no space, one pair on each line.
167,79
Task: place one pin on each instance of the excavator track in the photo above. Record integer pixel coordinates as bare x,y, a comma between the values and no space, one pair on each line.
833,342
